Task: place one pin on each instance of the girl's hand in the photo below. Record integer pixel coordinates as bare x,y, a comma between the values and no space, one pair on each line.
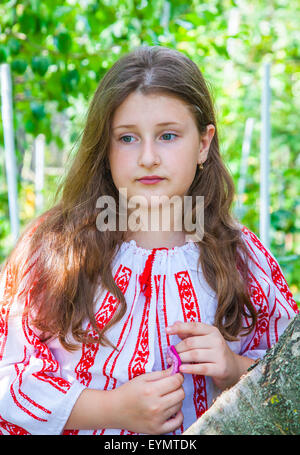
203,350
150,403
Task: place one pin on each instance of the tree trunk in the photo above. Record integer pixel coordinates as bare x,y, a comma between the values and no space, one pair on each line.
266,400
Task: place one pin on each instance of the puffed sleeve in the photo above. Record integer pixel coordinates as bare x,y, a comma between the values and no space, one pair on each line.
271,297
34,397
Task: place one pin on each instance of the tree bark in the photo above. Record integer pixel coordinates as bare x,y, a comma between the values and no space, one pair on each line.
266,400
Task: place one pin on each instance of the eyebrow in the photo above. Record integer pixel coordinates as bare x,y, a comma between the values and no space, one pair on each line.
158,124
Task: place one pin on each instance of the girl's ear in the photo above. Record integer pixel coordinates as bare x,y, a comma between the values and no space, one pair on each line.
206,139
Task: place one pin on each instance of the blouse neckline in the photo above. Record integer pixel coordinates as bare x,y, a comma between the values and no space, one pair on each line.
135,249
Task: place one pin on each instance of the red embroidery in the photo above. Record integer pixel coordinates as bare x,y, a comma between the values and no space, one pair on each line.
283,307
4,313
50,365
7,303
59,384
11,428
276,274
157,284
20,375
141,352
165,310
145,277
275,326
191,312
14,397
103,316
117,354
110,376
260,302
188,297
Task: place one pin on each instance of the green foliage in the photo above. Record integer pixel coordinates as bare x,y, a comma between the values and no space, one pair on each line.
58,52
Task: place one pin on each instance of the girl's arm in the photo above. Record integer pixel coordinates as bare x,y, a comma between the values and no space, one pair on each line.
150,403
93,410
35,398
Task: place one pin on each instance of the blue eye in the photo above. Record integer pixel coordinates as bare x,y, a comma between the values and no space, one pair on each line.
127,142
169,134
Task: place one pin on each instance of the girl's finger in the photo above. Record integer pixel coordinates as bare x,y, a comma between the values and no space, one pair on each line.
168,383
173,398
195,342
203,369
198,356
184,329
172,423
172,411
156,375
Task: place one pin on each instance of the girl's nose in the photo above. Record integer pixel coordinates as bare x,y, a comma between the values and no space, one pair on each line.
148,154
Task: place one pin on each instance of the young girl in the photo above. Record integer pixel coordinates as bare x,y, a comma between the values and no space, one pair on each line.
87,314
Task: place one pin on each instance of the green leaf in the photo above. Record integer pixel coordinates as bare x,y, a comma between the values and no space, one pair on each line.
19,66
14,46
30,126
63,42
282,220
3,54
28,23
38,110
40,65
70,80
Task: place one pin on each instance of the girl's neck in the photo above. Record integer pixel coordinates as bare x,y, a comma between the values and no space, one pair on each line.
152,233
158,239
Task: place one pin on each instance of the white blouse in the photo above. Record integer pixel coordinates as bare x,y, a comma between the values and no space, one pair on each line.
40,382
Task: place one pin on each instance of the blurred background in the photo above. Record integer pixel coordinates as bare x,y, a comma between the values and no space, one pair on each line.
54,53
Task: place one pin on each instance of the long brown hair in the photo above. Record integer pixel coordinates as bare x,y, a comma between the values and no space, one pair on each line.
66,257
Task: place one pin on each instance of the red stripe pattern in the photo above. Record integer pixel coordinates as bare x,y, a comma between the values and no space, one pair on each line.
270,296
191,312
4,313
103,316
40,382
276,274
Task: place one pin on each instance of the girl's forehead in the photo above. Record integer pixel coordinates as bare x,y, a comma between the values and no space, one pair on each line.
137,104
152,97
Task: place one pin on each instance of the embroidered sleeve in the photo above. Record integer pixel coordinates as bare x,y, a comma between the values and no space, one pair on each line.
271,297
34,397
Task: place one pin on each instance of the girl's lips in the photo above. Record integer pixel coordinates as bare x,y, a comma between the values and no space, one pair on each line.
150,181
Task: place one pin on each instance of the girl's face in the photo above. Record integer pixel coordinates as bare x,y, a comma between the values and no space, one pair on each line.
156,135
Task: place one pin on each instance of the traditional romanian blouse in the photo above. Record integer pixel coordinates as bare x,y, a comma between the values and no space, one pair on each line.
40,382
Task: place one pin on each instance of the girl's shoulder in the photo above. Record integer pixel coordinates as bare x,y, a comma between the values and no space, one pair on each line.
265,270
258,252
261,259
